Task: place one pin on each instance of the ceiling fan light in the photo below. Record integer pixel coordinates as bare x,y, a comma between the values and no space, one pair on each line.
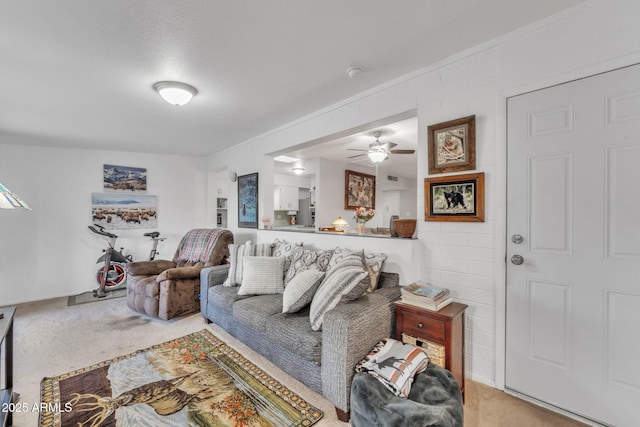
175,93
377,156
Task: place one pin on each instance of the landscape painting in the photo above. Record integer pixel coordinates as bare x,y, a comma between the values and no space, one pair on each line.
124,179
124,211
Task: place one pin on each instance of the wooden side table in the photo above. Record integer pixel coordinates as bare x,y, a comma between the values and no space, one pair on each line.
441,332
6,371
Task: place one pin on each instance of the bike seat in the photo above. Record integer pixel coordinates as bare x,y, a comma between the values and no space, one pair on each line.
153,234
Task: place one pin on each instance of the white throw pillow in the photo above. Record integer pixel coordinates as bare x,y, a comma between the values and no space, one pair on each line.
300,290
262,275
237,253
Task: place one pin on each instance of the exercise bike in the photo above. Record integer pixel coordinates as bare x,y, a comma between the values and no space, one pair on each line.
155,236
112,275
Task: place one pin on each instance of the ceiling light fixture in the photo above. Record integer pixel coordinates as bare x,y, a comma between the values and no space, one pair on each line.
354,72
175,93
298,170
378,154
286,159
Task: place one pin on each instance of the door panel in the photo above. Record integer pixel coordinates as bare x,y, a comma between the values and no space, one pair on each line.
573,305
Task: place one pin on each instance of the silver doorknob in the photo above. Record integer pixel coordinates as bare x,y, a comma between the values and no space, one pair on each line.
517,260
517,239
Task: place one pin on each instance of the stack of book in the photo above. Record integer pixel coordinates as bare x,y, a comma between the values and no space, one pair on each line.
425,296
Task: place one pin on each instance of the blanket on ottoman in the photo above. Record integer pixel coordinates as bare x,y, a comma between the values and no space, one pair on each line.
435,400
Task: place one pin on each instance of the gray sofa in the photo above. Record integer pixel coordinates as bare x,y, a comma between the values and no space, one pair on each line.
323,360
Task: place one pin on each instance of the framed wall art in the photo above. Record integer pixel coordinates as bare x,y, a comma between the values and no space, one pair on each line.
452,145
359,190
248,201
454,198
124,211
125,179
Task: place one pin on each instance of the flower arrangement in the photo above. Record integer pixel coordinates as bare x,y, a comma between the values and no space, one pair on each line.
363,214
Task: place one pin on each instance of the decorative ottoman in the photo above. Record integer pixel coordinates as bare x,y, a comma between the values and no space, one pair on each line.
434,400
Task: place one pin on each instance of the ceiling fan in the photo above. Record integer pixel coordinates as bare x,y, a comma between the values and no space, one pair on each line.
379,151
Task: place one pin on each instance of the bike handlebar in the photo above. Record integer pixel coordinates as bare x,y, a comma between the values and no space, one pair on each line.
101,231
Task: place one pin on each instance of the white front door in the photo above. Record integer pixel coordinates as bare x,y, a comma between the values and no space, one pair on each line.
573,305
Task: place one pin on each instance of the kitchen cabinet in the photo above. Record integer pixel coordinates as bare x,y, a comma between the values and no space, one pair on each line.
285,198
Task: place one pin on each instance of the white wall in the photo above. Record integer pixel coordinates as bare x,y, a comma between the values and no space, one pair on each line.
469,257
49,252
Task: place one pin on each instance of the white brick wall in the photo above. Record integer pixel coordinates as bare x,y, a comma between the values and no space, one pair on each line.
469,257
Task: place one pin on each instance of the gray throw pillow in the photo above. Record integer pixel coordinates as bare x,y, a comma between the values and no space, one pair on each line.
373,264
307,259
285,249
338,282
300,290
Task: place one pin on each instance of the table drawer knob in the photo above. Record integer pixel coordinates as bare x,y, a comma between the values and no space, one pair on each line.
420,325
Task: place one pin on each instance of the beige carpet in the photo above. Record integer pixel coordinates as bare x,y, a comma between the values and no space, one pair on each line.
52,338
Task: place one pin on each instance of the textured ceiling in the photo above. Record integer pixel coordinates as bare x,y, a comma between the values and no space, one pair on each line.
78,73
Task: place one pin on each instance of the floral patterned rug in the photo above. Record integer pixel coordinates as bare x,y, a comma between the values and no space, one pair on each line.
196,380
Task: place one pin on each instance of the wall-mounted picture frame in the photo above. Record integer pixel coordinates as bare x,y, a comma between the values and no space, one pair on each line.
124,179
452,146
359,190
121,211
458,198
248,201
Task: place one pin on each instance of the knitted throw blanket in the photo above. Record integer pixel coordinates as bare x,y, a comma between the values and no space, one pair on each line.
198,244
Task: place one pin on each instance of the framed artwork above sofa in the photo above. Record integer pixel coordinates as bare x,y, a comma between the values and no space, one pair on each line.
248,201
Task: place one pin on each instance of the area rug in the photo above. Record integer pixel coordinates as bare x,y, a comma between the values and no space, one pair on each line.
87,297
196,380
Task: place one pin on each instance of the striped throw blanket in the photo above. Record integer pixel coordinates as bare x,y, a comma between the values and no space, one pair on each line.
198,244
394,364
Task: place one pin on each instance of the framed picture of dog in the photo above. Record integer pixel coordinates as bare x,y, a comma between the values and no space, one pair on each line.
452,146
454,198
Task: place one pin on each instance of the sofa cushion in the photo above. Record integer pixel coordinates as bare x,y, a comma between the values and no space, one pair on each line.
262,275
338,282
236,258
293,332
300,290
307,259
254,311
225,296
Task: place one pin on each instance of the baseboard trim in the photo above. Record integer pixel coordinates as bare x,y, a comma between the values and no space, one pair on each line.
555,409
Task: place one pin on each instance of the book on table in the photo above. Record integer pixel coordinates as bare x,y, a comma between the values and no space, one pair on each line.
431,306
424,290
426,296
